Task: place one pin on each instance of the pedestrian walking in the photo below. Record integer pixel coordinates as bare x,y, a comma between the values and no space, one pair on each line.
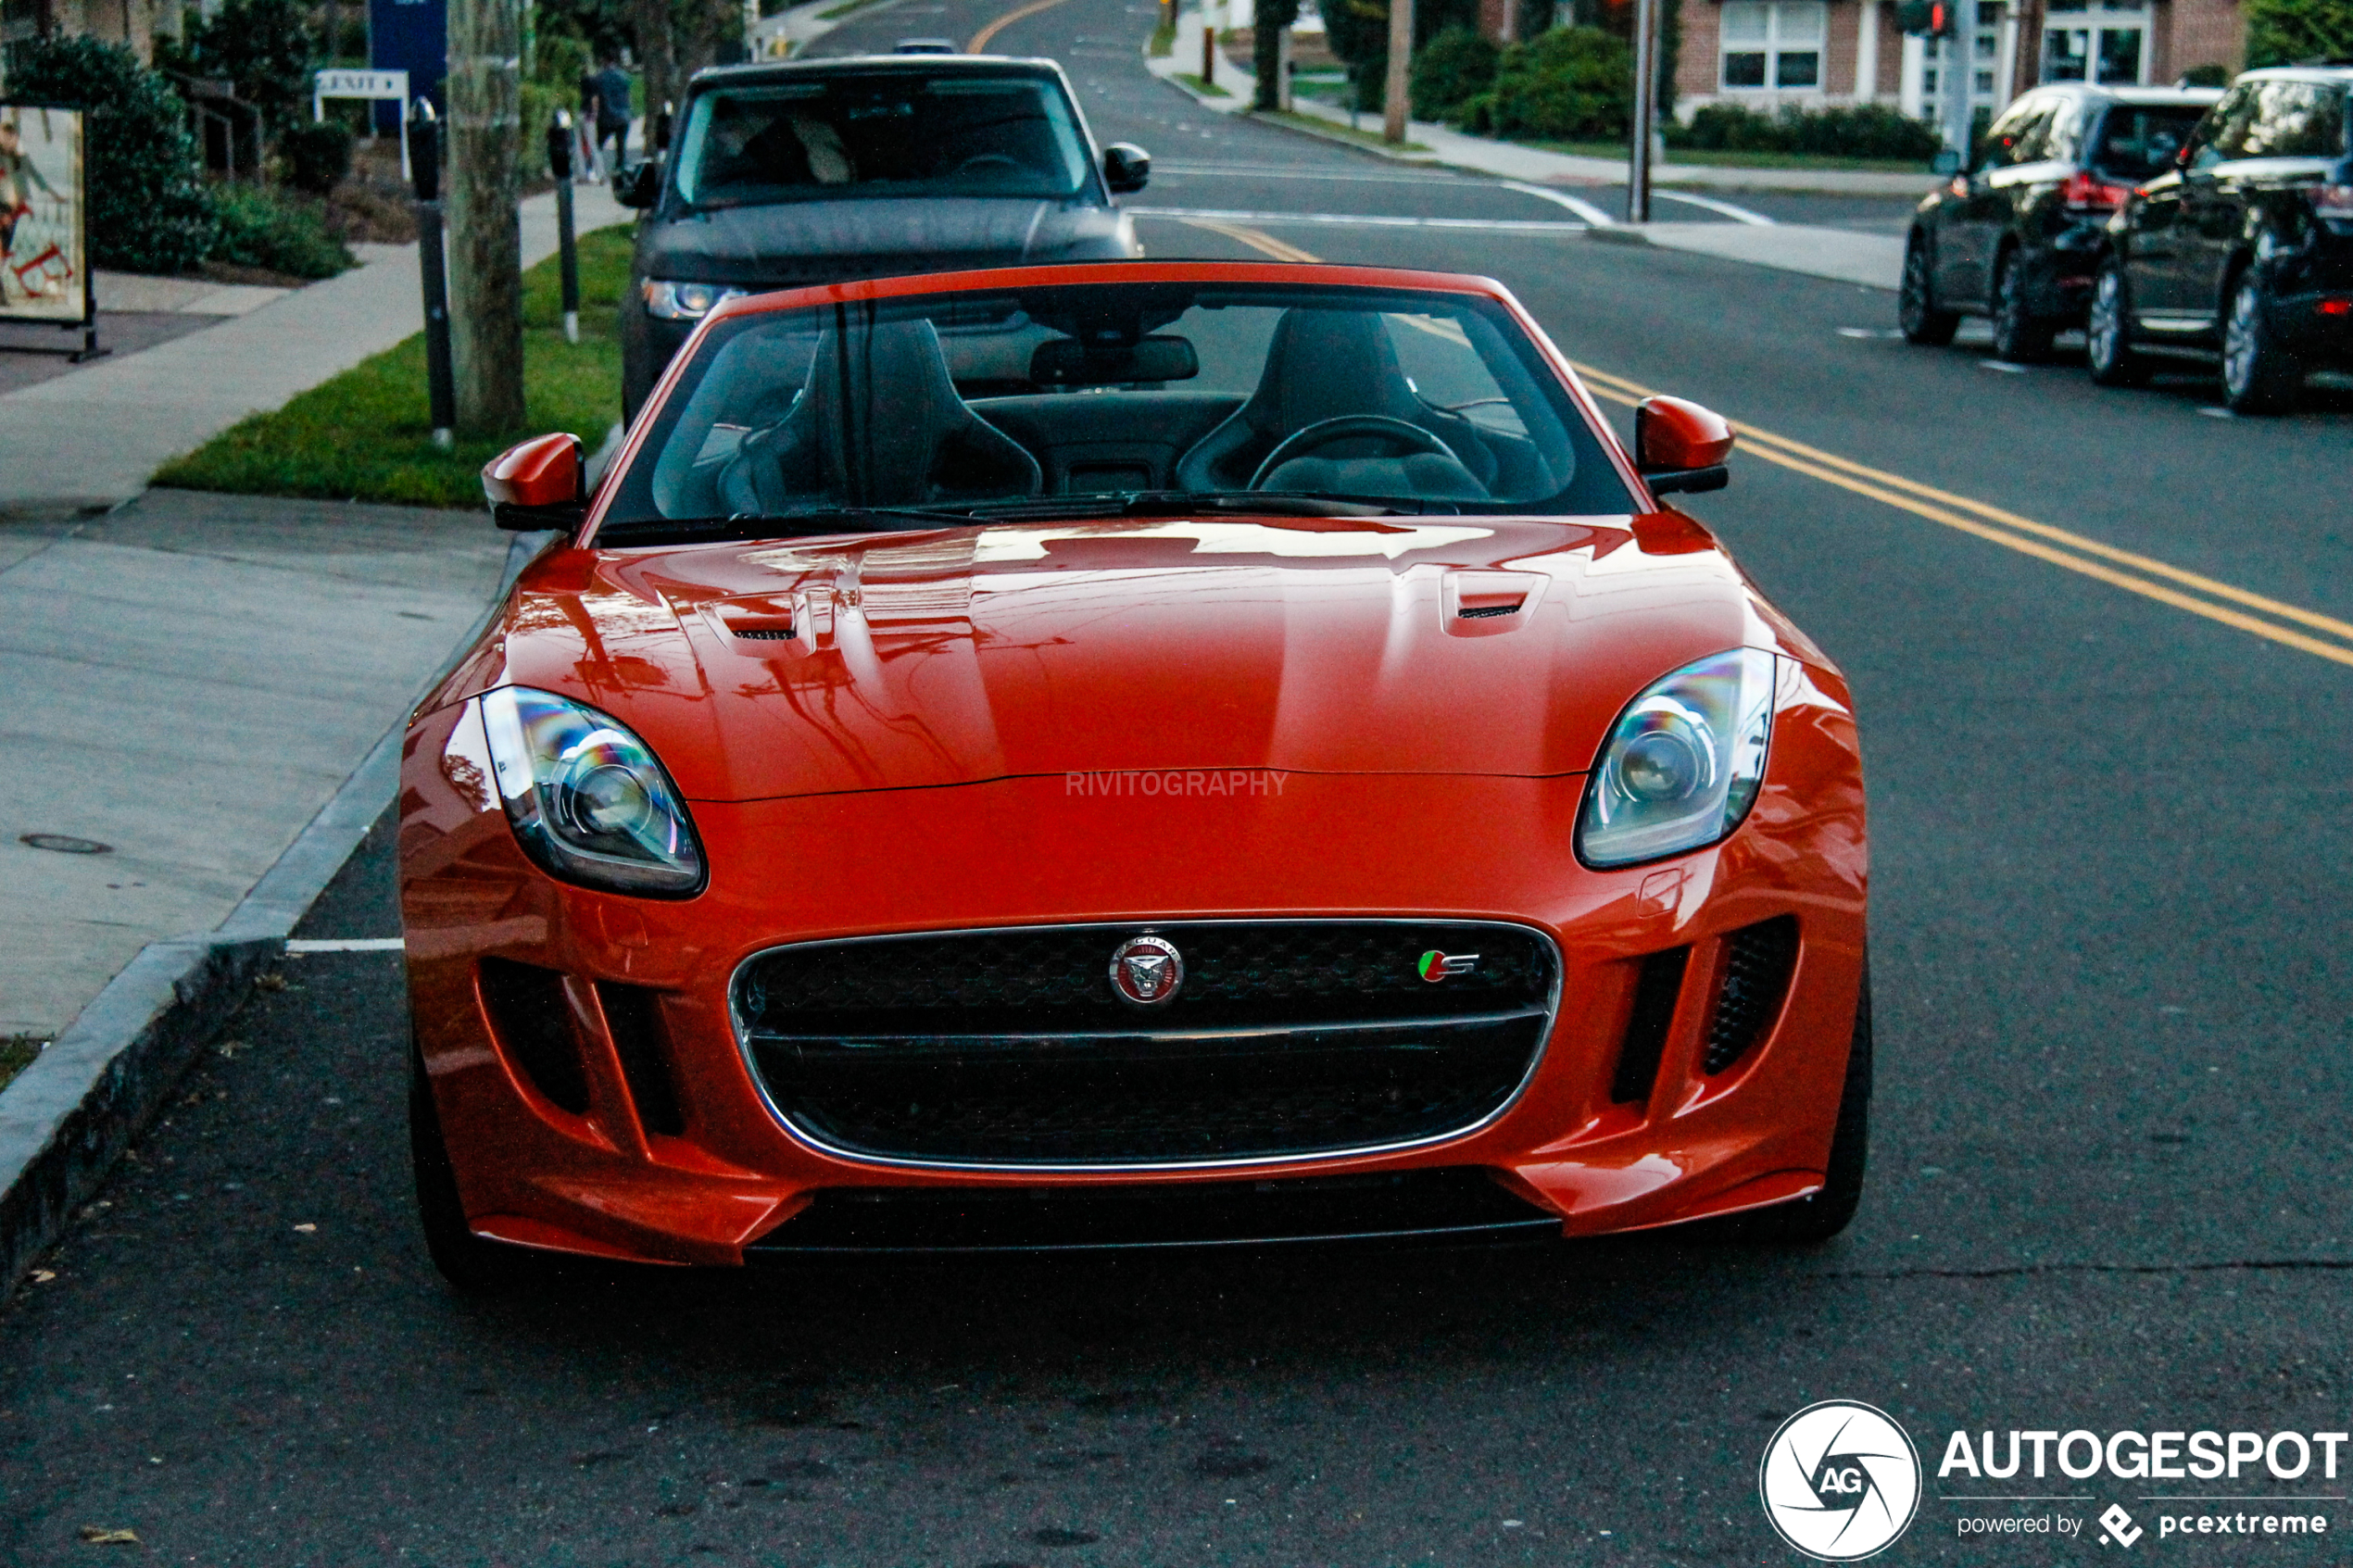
613,112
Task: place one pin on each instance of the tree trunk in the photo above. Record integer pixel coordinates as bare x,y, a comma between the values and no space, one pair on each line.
1397,104
485,242
657,57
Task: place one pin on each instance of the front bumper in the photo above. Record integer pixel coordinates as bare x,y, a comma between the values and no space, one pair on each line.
667,1151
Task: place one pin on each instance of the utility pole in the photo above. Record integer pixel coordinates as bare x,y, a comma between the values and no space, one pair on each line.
1397,95
1638,162
485,89
1958,76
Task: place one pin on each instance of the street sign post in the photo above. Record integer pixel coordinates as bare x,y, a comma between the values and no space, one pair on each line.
377,86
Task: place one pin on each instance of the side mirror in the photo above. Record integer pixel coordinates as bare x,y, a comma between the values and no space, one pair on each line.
637,185
537,484
1126,167
1680,446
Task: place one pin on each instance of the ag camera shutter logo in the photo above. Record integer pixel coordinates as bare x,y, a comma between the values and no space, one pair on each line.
1841,1481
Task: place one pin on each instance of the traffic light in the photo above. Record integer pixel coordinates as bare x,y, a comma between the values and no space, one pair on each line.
1925,19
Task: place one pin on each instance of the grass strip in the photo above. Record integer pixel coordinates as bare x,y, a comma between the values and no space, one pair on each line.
17,1052
367,435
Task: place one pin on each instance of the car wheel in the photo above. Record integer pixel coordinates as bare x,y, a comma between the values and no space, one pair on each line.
2109,330
2258,375
2020,337
464,1259
1916,310
1813,1220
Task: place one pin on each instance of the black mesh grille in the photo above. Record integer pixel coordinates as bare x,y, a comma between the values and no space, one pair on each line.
532,1023
1757,961
1013,1048
765,633
1439,1204
1485,611
1656,990
632,1015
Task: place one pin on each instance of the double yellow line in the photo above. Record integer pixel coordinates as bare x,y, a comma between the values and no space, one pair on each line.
2323,636
981,40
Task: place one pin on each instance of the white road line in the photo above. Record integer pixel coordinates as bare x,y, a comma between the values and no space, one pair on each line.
1737,214
1585,209
345,945
1367,221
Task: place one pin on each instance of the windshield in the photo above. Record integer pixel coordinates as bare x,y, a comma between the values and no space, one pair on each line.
2139,140
1085,399
896,134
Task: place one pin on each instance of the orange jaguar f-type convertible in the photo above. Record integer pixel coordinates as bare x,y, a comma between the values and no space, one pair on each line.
1124,754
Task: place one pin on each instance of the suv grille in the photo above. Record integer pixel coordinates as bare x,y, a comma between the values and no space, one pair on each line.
1011,1048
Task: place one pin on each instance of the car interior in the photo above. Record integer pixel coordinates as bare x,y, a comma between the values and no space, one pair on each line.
1066,392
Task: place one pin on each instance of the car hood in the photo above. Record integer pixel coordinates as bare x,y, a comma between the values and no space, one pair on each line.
828,241
758,671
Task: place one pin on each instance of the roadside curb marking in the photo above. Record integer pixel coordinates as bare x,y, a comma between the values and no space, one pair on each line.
981,40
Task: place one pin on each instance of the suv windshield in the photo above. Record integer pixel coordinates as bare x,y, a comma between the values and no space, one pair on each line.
892,134
2138,141
1094,398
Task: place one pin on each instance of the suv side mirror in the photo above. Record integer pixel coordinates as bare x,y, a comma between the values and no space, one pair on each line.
537,484
1680,446
1126,166
637,185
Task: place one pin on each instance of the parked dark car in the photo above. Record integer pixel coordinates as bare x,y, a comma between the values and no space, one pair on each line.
2244,249
2019,239
820,171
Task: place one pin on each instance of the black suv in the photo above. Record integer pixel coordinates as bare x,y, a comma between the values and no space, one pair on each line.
823,171
2021,238
2246,248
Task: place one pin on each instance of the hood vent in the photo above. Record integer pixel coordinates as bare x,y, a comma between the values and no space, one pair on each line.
1481,602
1482,613
763,633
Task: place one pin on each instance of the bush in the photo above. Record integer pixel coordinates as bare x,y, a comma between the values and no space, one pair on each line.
280,234
1457,65
2207,75
267,48
1358,32
1571,84
1873,130
317,154
2281,32
148,210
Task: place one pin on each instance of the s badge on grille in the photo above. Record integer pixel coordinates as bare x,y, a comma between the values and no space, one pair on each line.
1437,966
1147,970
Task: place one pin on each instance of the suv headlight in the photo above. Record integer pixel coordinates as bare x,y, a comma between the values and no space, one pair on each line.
586,798
1682,763
687,302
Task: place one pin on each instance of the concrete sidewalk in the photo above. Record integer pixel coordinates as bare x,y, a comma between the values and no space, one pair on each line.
90,439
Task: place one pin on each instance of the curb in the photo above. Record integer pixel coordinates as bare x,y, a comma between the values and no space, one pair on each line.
70,1116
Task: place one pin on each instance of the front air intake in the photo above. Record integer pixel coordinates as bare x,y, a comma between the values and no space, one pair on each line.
533,1024
1758,962
633,1016
1656,990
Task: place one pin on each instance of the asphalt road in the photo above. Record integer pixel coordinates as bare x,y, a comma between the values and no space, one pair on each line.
2110,1184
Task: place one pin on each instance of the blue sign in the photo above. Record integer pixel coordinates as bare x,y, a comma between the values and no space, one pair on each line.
410,36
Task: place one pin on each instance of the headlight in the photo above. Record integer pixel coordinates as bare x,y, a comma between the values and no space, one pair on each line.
1682,763
687,302
586,798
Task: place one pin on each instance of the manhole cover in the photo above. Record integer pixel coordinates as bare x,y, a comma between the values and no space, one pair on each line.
65,843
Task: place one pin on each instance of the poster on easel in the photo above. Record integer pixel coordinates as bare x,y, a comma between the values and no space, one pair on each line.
44,267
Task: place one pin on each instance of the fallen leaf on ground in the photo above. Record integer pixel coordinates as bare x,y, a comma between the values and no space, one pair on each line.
306,1229
98,1535
272,981
43,1276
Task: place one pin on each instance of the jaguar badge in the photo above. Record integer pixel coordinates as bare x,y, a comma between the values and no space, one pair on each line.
1147,970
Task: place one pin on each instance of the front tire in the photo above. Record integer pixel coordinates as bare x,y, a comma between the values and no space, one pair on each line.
2258,375
1812,1221
2109,330
1916,310
2021,337
468,1262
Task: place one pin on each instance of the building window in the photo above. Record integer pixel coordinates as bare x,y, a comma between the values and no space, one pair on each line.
1773,44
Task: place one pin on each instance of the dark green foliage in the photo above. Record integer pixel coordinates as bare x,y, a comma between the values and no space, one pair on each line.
605,26
317,154
2282,33
148,210
1358,32
1873,130
1571,84
270,229
1457,65
267,48
1265,46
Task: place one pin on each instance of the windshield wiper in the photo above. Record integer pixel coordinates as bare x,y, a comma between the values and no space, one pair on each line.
1185,503
778,525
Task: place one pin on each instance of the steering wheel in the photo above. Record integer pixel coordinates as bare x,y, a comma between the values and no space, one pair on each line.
979,162
1407,438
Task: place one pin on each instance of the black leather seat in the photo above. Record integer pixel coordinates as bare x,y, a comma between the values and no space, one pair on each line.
879,426
1323,365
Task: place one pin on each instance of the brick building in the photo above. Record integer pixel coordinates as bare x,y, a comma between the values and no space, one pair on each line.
1812,53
